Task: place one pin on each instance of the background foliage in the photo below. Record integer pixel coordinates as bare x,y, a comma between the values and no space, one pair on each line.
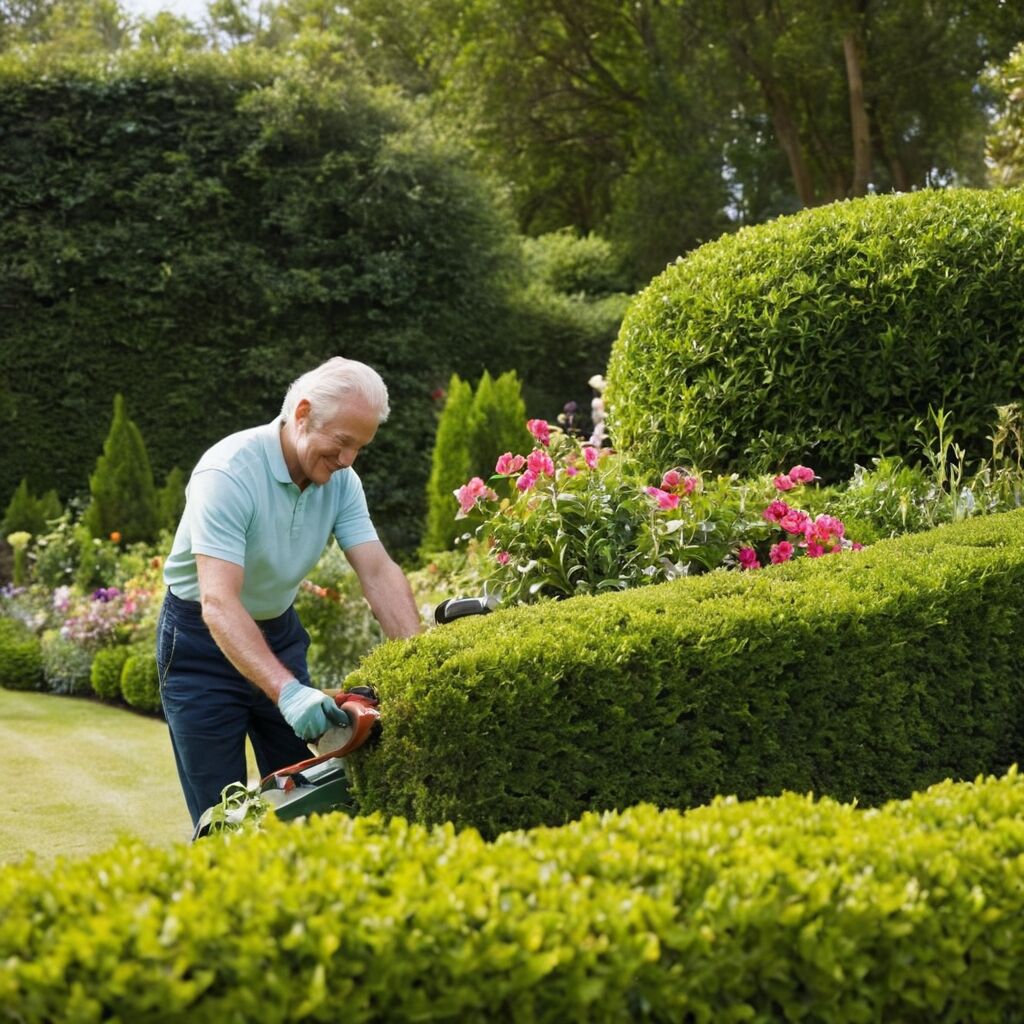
196,234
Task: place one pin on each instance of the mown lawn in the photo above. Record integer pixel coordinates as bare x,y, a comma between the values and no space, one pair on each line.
77,774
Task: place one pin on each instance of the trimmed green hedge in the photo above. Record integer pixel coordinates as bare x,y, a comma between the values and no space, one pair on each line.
780,909
825,336
864,675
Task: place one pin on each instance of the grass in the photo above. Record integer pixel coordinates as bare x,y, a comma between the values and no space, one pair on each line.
78,774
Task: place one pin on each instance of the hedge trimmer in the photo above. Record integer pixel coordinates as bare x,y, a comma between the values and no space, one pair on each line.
320,783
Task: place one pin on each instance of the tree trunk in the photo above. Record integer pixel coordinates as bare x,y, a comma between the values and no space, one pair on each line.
789,139
859,124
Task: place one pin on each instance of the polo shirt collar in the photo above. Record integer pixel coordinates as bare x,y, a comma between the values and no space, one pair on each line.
275,453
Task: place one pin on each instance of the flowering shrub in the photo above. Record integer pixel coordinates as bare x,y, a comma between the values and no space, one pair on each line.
107,615
578,520
786,532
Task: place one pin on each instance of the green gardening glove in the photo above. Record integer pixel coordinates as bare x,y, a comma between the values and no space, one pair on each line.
310,712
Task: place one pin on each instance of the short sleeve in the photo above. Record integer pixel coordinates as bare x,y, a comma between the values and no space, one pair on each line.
220,511
353,525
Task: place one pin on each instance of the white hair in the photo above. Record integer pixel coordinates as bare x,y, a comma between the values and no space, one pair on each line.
327,387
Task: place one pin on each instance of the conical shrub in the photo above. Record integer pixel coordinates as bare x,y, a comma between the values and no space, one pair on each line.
124,499
449,467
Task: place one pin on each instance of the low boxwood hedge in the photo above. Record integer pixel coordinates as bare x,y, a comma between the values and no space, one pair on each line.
779,909
864,675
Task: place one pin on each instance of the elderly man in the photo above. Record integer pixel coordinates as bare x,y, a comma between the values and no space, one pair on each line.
261,506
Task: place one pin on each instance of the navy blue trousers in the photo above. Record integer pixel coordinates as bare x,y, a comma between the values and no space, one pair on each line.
210,707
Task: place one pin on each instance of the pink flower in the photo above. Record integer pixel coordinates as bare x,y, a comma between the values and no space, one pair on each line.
857,546
591,455
784,483
538,462
527,480
748,558
814,550
823,529
540,430
671,480
663,498
801,475
781,552
469,494
509,463
775,511
502,557
690,484
794,521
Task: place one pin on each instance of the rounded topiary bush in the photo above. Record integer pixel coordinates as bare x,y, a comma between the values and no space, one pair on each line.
827,336
105,674
140,681
21,660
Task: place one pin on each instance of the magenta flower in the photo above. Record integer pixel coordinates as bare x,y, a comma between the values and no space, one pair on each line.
690,484
814,550
538,462
794,521
591,456
781,552
663,498
748,558
470,493
571,470
671,480
527,480
509,463
776,510
502,557
540,430
801,475
784,483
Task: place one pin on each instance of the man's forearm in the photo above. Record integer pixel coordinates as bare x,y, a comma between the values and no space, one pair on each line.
243,644
391,599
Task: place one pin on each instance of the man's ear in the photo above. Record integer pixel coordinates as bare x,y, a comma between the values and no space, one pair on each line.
302,413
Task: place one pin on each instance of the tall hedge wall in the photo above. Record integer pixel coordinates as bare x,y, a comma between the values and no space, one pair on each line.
860,676
825,336
781,910
197,233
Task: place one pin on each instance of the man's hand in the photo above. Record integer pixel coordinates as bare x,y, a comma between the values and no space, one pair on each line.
308,711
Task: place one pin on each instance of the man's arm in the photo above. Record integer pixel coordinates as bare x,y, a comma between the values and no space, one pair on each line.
386,589
234,629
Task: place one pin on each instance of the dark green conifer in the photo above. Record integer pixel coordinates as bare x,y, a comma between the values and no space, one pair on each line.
124,500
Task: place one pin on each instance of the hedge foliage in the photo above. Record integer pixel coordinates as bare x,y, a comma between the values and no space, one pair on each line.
195,232
779,909
860,676
21,656
825,337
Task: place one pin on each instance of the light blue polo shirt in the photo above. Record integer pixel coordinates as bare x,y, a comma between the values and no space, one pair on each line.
241,505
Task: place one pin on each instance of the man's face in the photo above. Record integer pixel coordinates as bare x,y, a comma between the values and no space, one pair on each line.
334,445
